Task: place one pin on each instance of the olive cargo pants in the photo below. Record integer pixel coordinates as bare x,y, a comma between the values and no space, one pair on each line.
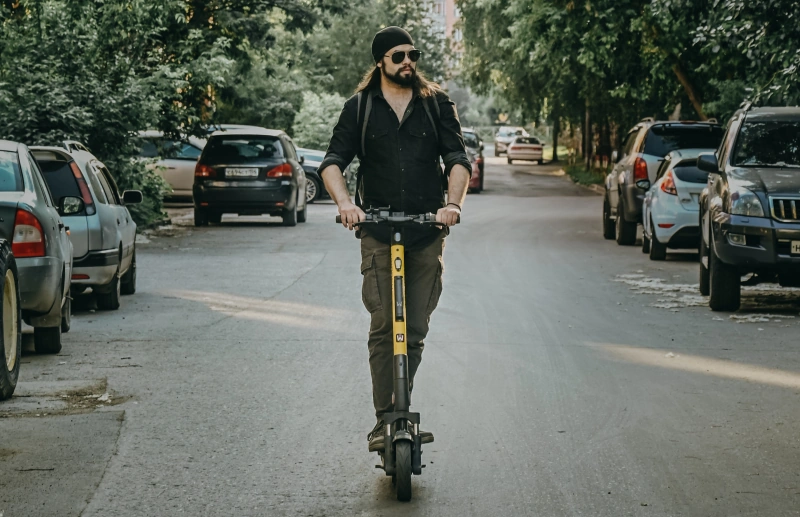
423,270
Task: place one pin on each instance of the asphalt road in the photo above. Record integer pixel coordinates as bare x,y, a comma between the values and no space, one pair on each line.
564,375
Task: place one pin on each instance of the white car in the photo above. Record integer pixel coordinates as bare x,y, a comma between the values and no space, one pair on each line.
176,162
505,135
670,212
525,148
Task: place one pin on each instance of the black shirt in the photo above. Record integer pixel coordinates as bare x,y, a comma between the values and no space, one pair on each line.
401,168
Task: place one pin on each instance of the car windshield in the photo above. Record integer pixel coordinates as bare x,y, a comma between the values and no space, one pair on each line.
312,156
241,149
768,144
471,140
661,140
10,174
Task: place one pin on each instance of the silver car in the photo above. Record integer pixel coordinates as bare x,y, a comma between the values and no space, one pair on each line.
103,233
31,219
176,159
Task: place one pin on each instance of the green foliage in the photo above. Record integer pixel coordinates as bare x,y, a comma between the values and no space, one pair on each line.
315,120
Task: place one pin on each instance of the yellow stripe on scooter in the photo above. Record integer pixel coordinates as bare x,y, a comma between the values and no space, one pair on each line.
399,327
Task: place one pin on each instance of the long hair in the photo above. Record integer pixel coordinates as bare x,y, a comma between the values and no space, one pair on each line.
422,85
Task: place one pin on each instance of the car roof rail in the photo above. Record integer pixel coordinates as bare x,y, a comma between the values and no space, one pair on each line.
648,119
746,105
712,120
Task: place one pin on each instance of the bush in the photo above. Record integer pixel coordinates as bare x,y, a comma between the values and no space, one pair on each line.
313,124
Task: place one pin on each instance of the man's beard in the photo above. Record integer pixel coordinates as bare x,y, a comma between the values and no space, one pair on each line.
406,81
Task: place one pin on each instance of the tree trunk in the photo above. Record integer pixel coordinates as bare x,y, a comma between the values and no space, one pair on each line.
587,138
688,87
556,131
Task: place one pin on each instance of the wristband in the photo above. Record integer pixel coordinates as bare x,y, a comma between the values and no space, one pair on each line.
455,205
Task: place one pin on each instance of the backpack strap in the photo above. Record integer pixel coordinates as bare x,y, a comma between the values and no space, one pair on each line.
363,119
434,122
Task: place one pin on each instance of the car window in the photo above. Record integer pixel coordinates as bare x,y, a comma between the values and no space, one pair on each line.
147,148
291,150
37,177
471,140
687,171
113,183
628,147
313,156
99,194
241,150
527,140
10,173
188,152
60,179
661,139
768,144
662,169
107,188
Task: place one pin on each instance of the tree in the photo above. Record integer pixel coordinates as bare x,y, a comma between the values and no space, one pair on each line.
315,120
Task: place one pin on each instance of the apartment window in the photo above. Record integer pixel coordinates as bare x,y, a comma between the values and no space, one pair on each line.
458,35
456,12
438,8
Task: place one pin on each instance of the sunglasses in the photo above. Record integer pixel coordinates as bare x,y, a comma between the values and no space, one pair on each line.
400,56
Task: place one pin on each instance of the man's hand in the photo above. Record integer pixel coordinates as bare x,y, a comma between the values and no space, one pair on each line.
448,215
350,214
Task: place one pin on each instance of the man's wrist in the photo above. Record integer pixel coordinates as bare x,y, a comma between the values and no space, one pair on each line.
455,205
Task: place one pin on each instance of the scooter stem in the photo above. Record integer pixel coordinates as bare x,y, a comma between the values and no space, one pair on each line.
401,384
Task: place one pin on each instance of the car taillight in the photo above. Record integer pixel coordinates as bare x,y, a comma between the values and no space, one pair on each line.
281,171
28,238
478,160
86,196
204,171
639,169
668,185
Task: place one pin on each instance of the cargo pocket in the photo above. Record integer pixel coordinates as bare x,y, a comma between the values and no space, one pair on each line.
436,292
369,288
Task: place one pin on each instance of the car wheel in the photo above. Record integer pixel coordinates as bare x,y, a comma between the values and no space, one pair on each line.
47,340
66,315
704,275
129,278
496,152
302,214
658,250
200,217
108,299
645,244
214,217
541,161
608,223
725,286
312,190
480,188
289,217
510,161
625,231
10,324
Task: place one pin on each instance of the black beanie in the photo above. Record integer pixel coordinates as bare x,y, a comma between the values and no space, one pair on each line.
387,39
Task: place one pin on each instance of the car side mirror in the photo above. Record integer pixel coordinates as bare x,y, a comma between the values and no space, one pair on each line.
302,160
614,156
707,162
70,205
132,197
643,184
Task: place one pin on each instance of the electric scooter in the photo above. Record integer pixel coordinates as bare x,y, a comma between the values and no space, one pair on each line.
402,453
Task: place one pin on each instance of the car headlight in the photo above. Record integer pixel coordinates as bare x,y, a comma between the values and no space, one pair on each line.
745,202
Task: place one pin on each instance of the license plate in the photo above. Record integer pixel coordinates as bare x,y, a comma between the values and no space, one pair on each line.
241,173
795,247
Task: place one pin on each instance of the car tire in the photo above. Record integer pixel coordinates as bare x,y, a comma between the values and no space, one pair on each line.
313,190
66,315
214,217
645,244
109,300
129,278
480,188
609,230
658,250
289,217
625,231
725,284
47,340
510,161
705,286
10,325
302,214
496,152
541,162
200,217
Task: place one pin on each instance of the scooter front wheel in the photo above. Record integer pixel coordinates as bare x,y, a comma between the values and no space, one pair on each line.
403,470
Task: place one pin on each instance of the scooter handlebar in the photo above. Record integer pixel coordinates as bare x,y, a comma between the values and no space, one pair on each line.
421,219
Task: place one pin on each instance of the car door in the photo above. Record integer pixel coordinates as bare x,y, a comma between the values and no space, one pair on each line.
47,213
179,164
291,154
126,229
612,182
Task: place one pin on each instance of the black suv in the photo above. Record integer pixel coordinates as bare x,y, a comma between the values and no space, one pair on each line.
251,171
750,210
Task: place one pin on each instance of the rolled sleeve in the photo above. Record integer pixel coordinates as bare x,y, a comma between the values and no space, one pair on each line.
451,142
344,142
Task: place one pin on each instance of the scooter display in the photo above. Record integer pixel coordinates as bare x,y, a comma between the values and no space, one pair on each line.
402,453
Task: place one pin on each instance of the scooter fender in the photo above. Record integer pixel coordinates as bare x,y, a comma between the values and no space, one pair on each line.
403,435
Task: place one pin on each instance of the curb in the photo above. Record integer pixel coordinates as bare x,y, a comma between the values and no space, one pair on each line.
600,190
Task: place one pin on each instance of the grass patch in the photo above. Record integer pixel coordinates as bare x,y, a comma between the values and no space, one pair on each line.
580,175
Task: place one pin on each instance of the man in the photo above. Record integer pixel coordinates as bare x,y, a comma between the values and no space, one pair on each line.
398,124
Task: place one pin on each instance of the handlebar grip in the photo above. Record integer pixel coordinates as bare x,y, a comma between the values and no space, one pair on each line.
339,219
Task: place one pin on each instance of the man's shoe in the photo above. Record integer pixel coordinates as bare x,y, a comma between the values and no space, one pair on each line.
375,437
426,437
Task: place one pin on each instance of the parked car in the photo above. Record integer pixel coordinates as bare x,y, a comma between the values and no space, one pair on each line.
102,232
634,169
31,219
74,145
311,160
505,135
11,316
249,172
525,148
671,205
474,143
476,179
750,211
176,159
